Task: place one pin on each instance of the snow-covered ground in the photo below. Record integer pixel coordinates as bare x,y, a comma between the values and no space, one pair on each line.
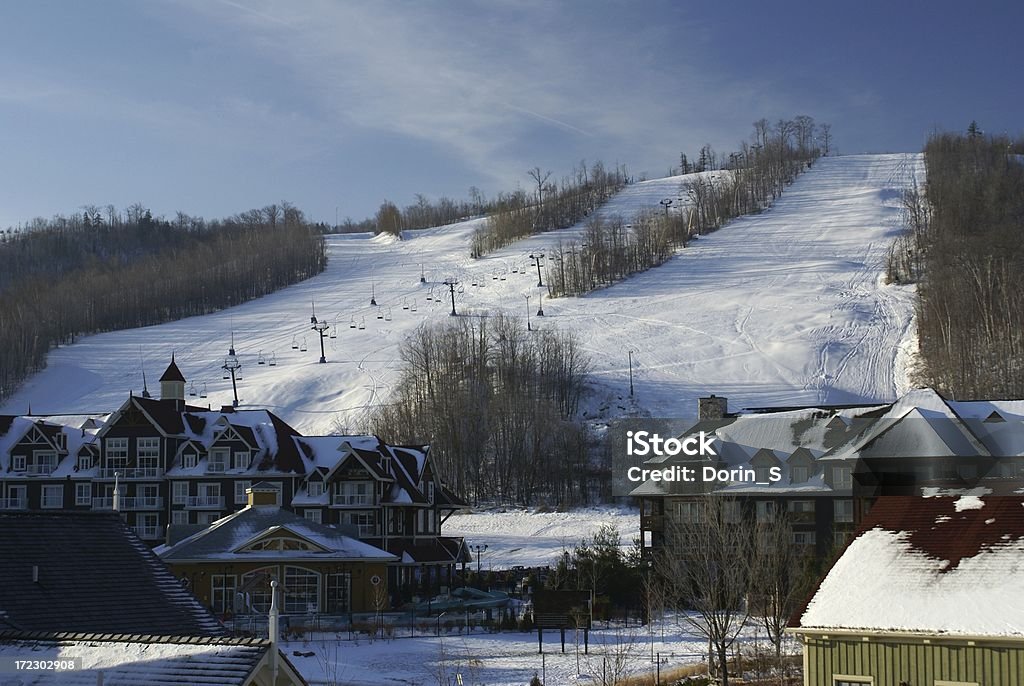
784,307
536,539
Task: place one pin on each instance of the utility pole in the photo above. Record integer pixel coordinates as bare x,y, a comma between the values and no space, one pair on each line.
451,284
321,328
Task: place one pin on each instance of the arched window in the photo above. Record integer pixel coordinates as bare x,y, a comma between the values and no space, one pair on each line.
256,585
303,594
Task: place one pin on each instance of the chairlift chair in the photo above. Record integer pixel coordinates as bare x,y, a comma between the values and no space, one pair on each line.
412,308
192,388
303,348
273,359
387,317
380,314
333,334
295,343
352,323
405,304
202,393
362,322
260,359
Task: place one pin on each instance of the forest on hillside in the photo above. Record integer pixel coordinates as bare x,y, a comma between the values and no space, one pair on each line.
94,272
966,247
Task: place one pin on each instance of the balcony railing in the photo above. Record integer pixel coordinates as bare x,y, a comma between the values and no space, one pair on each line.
148,533
37,469
13,503
205,502
131,473
216,467
351,499
129,503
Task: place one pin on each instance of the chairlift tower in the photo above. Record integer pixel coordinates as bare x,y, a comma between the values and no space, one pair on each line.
233,368
321,328
536,259
451,284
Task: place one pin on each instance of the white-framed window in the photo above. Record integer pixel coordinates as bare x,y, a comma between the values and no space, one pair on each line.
84,462
796,506
117,450
315,489
353,493
240,460
690,512
315,516
765,510
179,492
365,522
804,538
218,461
45,462
842,477
17,463
83,494
53,496
147,449
339,593
303,590
844,680
842,510
179,517
207,517
147,525
222,592
241,497
799,474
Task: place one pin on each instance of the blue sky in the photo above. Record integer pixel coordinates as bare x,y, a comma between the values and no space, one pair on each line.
216,106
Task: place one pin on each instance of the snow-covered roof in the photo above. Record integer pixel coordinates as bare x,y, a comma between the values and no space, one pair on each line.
225,538
939,565
139,659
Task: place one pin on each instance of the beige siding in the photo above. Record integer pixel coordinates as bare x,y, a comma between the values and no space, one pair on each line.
894,660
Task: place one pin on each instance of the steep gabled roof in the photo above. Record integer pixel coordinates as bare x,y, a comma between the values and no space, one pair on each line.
94,575
172,373
941,565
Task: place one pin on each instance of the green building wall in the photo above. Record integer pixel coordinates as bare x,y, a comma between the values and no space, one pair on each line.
895,660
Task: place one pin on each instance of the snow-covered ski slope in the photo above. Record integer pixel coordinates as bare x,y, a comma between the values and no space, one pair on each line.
785,307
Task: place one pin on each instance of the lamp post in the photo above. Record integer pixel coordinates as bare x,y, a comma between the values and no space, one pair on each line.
528,327
630,352
321,328
478,549
233,367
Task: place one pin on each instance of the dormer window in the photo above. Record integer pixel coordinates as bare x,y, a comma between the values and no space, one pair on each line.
189,460
240,460
799,475
315,489
84,462
17,463
218,461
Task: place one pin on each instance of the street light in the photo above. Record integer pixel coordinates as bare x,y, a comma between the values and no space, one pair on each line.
478,549
528,328
630,372
321,328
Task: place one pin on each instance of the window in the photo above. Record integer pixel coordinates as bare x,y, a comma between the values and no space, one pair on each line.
839,538
352,493
690,512
222,593
218,461
338,593
801,506
303,590
53,496
148,449
313,516
207,517
117,452
17,463
842,477
842,680
842,510
241,497
147,526
804,537
179,517
430,491
765,510
240,460
84,462
799,475
179,492
315,489
45,462
189,460
83,494
258,580
364,522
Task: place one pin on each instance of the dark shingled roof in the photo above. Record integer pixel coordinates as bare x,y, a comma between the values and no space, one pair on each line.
95,575
172,373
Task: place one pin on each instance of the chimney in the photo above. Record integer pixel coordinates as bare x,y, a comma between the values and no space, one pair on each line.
711,408
35,574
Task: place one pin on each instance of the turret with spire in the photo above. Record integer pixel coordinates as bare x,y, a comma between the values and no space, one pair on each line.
172,384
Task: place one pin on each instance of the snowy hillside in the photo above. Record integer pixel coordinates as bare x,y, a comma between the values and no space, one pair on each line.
781,308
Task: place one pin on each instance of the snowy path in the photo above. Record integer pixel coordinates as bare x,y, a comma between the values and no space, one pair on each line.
780,308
